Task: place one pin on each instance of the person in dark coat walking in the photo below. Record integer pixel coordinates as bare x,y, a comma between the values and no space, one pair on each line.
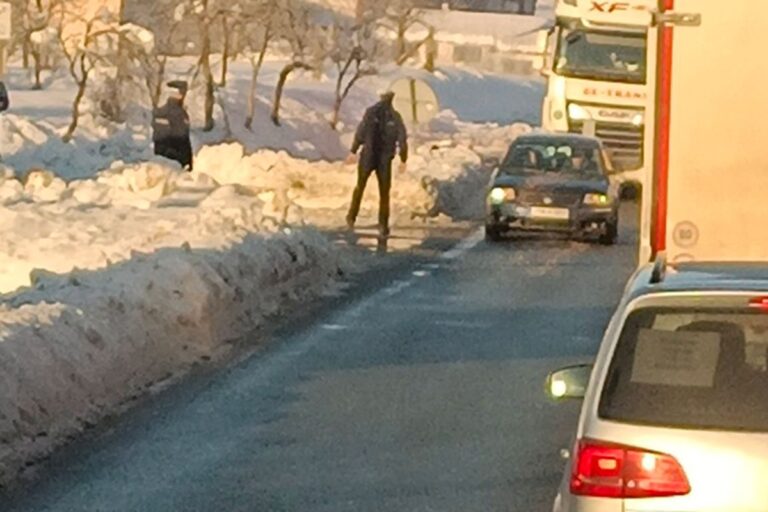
381,134
171,133
5,102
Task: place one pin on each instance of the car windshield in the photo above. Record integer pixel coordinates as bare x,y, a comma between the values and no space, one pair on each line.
690,369
602,56
552,157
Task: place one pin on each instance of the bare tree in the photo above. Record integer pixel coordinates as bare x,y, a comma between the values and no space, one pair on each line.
258,32
155,63
38,34
205,14
401,17
352,52
205,19
304,38
84,49
227,35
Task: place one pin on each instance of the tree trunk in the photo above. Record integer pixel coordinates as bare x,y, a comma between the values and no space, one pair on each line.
402,46
255,70
342,95
25,52
157,91
38,60
287,70
336,110
411,52
205,67
76,109
225,53
431,51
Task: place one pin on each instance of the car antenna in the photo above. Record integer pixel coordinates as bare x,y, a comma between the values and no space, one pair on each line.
659,268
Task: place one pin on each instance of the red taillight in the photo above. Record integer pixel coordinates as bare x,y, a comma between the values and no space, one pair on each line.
760,303
612,471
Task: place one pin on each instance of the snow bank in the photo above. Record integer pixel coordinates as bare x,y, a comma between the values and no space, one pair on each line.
30,133
26,144
77,346
90,223
131,276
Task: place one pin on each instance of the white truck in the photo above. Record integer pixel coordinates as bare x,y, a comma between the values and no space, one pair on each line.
710,186
595,62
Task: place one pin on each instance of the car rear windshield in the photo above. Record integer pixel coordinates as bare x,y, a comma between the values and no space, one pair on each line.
690,369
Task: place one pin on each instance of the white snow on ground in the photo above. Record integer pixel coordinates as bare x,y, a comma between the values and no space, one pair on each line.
117,275
79,345
133,275
90,223
30,132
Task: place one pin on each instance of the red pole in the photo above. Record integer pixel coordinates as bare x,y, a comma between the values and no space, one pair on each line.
663,122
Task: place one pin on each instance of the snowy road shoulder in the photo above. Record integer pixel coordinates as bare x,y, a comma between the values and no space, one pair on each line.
78,346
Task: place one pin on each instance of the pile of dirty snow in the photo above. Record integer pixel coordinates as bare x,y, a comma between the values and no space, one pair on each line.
27,145
56,226
77,347
53,226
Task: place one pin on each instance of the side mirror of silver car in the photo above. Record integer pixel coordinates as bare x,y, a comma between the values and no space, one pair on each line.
569,383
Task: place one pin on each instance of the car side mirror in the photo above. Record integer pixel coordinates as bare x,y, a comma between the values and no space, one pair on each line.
491,162
569,383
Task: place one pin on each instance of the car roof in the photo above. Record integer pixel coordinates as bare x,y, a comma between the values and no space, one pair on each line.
562,138
703,277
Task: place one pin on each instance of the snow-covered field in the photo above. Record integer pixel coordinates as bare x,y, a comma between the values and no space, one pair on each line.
29,131
119,270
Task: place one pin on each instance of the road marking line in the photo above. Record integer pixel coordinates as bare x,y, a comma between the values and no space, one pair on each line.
458,324
396,287
464,246
285,355
334,327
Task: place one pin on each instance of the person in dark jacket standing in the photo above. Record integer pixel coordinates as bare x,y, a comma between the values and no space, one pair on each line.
171,133
5,102
380,134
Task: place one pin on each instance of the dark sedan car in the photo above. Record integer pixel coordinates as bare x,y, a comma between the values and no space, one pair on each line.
554,183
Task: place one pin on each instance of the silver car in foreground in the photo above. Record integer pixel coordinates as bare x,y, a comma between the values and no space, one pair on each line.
675,411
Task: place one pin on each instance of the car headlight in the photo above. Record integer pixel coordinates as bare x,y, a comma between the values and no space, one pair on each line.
638,120
578,113
501,195
597,200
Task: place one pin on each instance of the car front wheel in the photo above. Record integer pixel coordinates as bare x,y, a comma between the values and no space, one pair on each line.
492,234
611,234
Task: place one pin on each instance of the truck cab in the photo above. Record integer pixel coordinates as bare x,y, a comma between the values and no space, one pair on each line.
595,60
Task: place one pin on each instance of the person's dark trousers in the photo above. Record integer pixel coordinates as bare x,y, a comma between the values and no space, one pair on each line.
384,178
176,148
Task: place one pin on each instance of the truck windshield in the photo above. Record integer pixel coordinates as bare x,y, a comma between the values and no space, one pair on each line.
609,56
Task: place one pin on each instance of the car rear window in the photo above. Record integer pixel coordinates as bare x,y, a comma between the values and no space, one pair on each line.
690,369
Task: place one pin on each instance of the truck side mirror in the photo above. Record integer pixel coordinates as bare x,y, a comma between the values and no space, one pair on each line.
542,50
542,41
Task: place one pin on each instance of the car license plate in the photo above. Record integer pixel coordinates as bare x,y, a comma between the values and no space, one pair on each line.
542,212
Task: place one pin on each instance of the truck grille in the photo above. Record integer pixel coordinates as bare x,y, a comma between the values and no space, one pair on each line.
623,141
558,197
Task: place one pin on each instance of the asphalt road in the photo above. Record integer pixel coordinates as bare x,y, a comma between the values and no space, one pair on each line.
423,395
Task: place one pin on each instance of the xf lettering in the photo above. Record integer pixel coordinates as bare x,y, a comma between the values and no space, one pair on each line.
610,7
